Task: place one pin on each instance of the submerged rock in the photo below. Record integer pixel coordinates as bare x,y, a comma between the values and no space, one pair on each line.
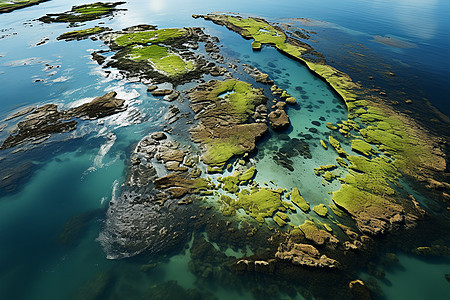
172,290
359,290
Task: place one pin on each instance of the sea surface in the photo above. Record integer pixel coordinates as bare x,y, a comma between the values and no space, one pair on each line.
51,219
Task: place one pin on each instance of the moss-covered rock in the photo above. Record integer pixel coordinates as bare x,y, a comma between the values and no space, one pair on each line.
298,200
224,129
337,146
363,148
83,13
82,33
259,204
316,235
321,210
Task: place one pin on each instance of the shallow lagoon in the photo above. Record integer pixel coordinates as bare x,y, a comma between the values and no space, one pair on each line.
80,178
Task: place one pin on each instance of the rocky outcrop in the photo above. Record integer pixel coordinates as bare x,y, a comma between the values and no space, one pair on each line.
225,129
304,255
159,175
47,119
279,119
161,55
258,266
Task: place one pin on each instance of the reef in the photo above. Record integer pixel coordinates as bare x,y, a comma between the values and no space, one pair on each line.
83,13
10,6
45,120
407,147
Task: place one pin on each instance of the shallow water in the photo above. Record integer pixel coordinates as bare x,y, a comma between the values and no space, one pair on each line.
75,183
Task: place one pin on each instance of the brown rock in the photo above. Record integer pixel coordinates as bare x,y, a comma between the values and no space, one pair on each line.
158,136
172,155
279,119
304,255
161,92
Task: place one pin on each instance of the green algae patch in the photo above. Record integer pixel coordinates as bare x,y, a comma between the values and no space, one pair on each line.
321,210
164,60
259,204
375,175
9,6
331,126
318,236
367,194
281,218
363,148
329,176
82,34
83,13
288,205
259,30
337,146
152,36
224,109
231,183
322,169
341,162
298,200
280,222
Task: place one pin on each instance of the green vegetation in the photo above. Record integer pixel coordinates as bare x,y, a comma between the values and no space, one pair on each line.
241,99
83,13
363,148
337,146
231,183
162,59
235,137
298,200
152,36
281,218
366,193
231,141
83,33
258,203
321,210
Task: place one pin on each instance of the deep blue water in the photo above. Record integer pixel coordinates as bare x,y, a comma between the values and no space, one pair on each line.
79,179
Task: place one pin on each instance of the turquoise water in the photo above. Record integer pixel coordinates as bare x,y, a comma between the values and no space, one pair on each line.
42,256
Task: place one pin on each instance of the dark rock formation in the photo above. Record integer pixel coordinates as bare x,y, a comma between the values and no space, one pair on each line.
47,119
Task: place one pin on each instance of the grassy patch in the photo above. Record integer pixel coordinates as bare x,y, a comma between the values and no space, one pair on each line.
145,37
83,13
162,59
83,33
